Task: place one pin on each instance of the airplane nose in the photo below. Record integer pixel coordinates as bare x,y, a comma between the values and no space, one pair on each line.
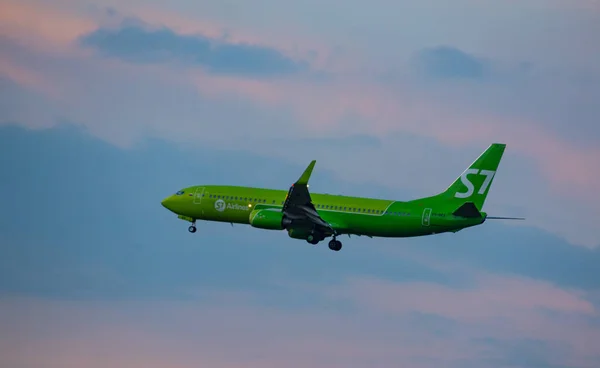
167,202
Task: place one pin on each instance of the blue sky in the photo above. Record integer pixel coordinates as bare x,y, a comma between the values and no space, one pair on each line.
106,108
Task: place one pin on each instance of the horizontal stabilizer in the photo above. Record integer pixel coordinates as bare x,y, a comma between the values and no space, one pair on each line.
467,210
504,218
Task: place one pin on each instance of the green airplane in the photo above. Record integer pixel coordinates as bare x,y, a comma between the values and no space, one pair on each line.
315,217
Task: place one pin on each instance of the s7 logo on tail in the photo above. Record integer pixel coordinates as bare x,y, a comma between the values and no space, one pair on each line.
489,175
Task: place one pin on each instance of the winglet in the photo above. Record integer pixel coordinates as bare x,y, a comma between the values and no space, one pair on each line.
306,175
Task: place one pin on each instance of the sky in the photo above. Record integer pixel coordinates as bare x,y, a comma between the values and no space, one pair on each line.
108,107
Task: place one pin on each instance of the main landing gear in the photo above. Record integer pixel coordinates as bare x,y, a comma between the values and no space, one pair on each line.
335,245
192,228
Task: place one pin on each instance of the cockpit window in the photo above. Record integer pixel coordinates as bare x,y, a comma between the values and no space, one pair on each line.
180,192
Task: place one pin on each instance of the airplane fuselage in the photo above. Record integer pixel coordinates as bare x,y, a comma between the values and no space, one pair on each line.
314,216
351,215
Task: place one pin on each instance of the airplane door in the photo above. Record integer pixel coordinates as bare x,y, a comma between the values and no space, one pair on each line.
426,217
198,195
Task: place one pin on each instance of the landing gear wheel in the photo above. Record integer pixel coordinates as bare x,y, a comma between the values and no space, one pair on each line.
335,245
192,229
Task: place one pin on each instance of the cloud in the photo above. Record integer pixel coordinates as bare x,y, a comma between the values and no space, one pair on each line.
131,101
446,62
141,45
44,27
154,334
149,293
494,309
107,182
541,255
191,333
491,297
110,272
67,257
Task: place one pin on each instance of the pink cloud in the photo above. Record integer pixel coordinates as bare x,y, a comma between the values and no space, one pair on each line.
160,334
26,77
511,307
493,297
236,331
42,26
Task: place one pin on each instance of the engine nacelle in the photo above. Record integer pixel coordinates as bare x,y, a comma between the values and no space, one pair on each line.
298,233
304,234
266,219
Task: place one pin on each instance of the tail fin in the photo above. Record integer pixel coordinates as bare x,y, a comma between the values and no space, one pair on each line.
474,183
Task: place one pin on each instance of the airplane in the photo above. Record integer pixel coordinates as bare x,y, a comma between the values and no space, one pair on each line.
314,217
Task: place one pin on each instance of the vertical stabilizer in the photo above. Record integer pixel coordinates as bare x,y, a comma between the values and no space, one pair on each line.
474,183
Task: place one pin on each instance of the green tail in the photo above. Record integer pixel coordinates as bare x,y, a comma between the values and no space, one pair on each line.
475,182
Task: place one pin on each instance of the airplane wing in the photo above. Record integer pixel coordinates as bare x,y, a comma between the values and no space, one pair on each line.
298,209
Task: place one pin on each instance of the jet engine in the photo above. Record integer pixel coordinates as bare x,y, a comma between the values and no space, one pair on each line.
267,219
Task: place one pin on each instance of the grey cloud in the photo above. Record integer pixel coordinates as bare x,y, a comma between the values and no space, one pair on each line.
105,235
139,44
447,62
